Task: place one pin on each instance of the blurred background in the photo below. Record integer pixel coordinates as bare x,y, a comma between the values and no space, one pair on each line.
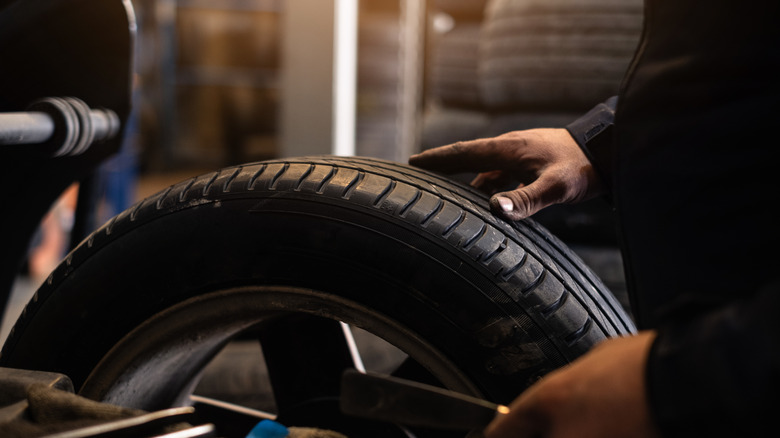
224,82
218,80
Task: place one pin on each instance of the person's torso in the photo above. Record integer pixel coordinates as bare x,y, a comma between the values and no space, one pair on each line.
697,163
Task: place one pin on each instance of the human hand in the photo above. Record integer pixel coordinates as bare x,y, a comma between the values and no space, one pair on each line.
548,163
602,395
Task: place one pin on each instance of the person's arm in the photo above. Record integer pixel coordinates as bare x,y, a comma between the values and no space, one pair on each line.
714,374
595,135
600,395
717,373
552,166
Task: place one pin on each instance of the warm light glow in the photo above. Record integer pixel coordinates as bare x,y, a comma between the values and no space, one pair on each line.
502,409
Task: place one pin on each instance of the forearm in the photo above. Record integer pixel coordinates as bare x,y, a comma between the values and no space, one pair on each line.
594,134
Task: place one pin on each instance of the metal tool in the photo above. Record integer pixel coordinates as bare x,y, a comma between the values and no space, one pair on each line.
152,424
391,399
65,126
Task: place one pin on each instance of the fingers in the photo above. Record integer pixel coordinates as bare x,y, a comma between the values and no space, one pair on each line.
445,159
548,163
464,156
529,199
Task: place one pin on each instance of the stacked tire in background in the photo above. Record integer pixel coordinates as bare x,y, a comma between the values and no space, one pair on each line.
507,65
533,61
556,55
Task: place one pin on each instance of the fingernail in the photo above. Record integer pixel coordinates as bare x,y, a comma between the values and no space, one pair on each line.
505,203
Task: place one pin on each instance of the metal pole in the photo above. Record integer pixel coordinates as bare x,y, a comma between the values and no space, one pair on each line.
25,128
344,76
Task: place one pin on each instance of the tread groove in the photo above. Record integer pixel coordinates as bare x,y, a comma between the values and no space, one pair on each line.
385,193
110,226
473,240
184,191
209,183
450,228
303,177
162,197
352,184
278,176
537,281
429,217
578,334
226,186
549,310
489,257
134,213
513,270
324,182
250,185
405,209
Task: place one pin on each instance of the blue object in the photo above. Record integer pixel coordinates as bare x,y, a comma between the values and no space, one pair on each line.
268,429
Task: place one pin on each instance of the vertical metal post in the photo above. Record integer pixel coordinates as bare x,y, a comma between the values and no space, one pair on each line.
318,78
345,76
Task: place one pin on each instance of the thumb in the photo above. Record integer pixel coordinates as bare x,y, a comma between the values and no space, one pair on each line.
514,205
525,200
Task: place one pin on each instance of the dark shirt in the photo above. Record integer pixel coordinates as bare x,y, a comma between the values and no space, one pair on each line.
693,172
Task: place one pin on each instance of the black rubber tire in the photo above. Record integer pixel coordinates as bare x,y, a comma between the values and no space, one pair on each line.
346,238
556,54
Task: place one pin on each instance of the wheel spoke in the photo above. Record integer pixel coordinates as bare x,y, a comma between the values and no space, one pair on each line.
305,357
353,348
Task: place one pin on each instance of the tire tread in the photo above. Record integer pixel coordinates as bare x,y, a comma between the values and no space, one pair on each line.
419,199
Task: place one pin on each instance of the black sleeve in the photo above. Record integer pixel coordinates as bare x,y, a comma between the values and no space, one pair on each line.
718,373
594,133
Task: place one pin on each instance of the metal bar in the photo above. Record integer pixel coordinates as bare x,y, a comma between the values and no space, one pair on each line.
353,348
385,398
345,28
67,122
25,128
